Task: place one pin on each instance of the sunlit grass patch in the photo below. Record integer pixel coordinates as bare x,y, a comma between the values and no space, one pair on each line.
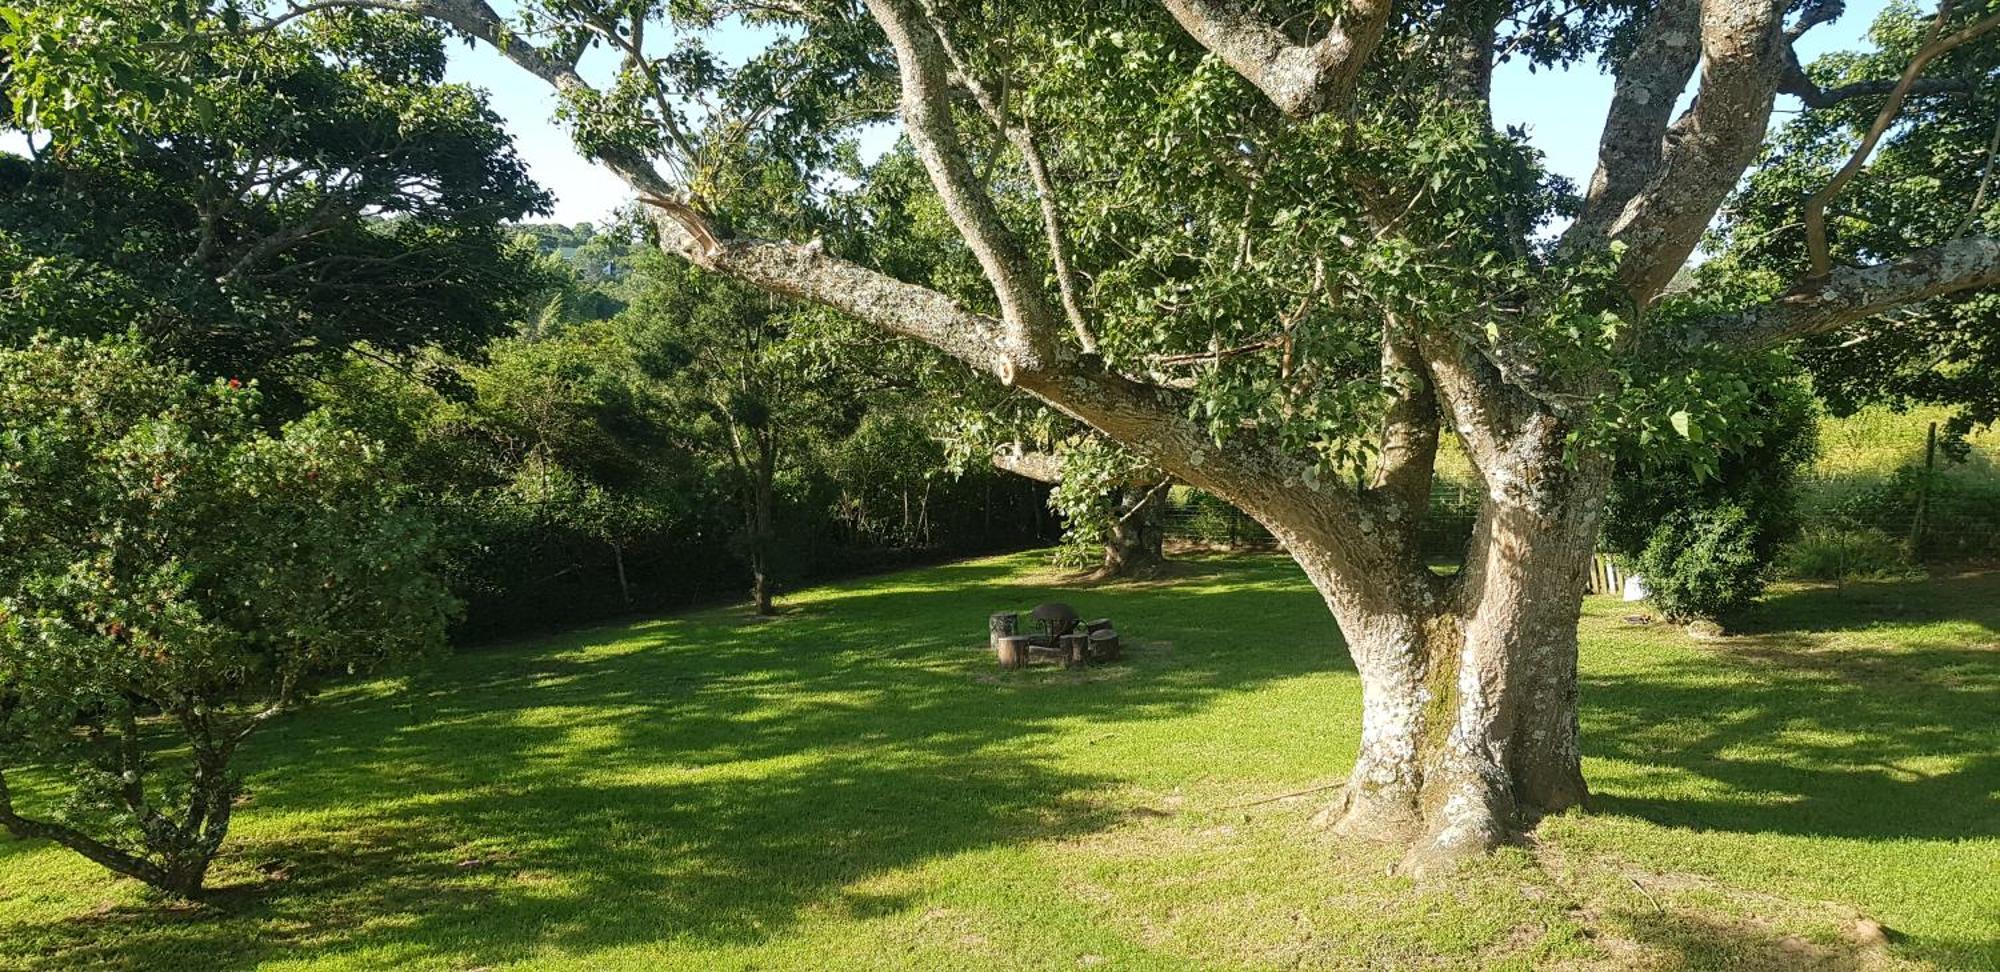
855,785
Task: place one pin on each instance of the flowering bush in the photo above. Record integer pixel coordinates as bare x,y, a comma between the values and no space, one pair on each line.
172,576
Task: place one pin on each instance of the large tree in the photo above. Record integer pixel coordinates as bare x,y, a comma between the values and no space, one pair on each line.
1274,248
259,202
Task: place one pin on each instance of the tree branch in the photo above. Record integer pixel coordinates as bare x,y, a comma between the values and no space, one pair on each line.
1301,79
1019,135
1706,151
1935,45
1848,294
1801,87
1042,467
78,841
1030,317
1649,80
1409,429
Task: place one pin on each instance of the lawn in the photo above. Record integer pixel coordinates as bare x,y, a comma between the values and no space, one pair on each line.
854,785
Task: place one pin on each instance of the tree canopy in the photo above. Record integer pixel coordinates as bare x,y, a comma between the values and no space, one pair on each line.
246,198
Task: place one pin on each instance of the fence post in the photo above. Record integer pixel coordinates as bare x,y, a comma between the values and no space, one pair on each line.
1917,523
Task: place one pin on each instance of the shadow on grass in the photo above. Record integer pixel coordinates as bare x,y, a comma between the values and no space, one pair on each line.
716,779
1822,728
706,780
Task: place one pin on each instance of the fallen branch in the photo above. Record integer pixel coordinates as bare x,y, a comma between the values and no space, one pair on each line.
1308,791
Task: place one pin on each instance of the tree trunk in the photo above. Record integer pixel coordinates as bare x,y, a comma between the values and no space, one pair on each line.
762,499
624,586
1138,531
1469,696
760,584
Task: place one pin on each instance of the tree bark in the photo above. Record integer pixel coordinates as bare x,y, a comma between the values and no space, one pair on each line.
759,530
1469,701
758,520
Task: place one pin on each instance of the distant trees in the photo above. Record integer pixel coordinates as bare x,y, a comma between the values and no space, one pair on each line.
257,204
172,577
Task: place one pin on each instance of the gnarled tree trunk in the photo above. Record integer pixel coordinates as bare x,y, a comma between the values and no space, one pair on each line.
1135,543
1469,724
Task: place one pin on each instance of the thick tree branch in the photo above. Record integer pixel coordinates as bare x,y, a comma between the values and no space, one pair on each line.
1046,467
78,841
1649,80
1408,462
1018,134
1301,79
926,71
1042,467
1743,57
1849,294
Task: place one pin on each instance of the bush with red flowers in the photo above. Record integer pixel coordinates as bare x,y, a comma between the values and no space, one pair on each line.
172,576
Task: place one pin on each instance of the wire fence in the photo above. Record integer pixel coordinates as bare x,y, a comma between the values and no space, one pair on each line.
1936,509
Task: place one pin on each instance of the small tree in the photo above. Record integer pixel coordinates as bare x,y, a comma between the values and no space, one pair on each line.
172,576
747,382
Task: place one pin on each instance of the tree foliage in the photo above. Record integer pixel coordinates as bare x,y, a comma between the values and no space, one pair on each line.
173,577
245,200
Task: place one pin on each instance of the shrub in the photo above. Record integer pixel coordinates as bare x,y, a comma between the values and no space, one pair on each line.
1705,564
173,576
1844,553
1704,538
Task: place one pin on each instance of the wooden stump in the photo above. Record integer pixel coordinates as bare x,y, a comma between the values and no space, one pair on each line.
1075,649
1101,624
1012,651
1104,645
1002,625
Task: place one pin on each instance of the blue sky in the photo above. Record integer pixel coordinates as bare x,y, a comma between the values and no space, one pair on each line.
1562,111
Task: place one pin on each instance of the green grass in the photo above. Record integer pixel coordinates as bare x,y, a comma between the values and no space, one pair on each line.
853,785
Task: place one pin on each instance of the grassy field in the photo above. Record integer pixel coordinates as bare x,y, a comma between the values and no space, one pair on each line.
853,785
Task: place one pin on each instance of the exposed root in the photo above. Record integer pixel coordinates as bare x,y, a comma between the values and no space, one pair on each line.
1445,826
1361,812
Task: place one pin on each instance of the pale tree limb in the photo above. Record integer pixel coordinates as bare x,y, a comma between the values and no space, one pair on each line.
1408,461
1648,81
1301,79
1022,137
927,119
1848,294
1046,467
1042,467
1743,55
1936,44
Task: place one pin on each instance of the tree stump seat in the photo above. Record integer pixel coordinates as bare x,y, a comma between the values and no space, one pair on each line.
1062,637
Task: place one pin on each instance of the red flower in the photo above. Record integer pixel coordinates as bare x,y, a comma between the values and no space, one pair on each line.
233,383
